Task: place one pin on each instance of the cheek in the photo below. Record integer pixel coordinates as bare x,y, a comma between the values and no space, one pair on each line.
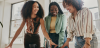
33,9
38,9
50,11
57,11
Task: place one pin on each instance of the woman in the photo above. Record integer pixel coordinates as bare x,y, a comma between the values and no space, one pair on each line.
80,25
55,24
32,13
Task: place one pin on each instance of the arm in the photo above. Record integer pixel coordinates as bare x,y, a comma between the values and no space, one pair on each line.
45,32
62,31
88,27
17,33
69,35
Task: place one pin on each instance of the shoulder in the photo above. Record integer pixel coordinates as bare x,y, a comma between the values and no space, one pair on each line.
46,18
62,15
41,20
83,10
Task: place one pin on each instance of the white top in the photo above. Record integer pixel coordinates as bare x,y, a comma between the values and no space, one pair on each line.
82,26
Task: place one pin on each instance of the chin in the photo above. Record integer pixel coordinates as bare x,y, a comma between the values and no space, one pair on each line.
35,13
70,12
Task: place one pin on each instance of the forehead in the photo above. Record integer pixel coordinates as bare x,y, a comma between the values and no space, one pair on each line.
35,4
53,6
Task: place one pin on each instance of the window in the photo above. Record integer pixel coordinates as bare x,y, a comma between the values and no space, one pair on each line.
16,20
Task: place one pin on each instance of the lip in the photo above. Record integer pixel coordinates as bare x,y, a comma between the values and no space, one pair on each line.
35,11
69,10
54,13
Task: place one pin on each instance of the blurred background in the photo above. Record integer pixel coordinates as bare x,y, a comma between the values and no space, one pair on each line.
10,16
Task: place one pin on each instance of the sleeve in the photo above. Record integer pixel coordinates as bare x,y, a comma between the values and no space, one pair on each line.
69,31
62,32
88,24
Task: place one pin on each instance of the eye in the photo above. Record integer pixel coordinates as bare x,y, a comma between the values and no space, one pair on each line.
37,6
55,9
51,9
34,6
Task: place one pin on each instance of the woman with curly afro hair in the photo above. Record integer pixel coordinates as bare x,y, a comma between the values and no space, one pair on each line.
80,25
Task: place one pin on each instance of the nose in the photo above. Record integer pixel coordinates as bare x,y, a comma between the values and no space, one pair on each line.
53,11
37,8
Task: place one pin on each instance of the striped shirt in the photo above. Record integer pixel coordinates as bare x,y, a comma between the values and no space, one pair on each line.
82,26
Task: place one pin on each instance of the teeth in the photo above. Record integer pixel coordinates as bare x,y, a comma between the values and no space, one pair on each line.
54,13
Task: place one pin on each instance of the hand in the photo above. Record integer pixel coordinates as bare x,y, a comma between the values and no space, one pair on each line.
28,31
52,43
9,46
86,46
66,44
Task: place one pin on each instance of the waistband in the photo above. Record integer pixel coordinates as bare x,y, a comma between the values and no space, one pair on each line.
33,33
83,36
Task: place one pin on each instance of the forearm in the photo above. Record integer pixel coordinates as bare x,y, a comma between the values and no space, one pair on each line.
68,40
15,36
18,32
46,35
87,40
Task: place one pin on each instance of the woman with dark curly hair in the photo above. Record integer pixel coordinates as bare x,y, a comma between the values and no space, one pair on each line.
32,13
56,24
80,25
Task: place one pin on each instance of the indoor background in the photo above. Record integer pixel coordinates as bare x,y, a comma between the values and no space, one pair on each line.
10,16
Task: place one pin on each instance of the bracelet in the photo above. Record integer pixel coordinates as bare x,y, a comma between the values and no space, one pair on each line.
87,43
49,39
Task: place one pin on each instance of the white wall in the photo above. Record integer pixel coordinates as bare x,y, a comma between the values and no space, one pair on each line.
5,13
99,6
1,14
6,23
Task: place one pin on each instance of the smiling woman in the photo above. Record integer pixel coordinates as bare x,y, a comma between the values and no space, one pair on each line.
32,14
56,24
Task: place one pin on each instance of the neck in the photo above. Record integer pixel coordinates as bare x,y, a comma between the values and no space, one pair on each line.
33,15
53,16
74,13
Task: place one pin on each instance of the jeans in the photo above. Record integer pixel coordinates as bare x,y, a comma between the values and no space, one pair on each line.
80,42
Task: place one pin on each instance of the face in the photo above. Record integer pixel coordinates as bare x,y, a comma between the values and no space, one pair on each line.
35,8
70,8
54,10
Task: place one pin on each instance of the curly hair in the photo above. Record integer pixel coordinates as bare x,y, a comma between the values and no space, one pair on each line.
54,3
75,3
27,10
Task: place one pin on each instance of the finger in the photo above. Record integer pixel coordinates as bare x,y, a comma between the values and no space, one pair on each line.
50,46
28,31
55,46
62,47
83,47
6,47
68,46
